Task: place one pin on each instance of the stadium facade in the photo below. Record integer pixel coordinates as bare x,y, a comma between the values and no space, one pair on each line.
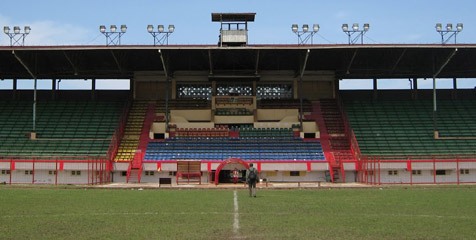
194,113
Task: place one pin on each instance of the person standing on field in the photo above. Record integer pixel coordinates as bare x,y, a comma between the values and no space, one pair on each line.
235,175
251,179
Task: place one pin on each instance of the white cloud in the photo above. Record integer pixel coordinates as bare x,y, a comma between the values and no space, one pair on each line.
341,14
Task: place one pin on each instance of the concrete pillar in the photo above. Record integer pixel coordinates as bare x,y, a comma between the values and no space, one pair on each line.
174,89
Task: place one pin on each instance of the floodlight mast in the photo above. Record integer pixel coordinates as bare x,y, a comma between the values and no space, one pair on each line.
305,35
355,30
17,38
161,37
449,32
113,37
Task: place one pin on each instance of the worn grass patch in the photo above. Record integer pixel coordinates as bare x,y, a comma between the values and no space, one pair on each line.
391,213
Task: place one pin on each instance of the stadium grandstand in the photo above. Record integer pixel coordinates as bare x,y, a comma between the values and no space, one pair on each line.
193,113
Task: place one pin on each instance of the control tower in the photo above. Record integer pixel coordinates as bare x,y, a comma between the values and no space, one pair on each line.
233,28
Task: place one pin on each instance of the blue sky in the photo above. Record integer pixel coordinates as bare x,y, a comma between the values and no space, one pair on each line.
76,22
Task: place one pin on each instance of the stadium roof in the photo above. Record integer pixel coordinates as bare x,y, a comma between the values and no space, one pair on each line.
347,61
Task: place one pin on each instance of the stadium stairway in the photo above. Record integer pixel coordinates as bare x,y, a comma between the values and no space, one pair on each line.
132,133
334,139
135,167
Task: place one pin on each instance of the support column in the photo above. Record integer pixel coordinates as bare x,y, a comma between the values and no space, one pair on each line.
33,132
14,96
295,88
93,89
173,93
214,88
53,89
454,92
435,115
132,88
254,88
336,88
415,89
375,90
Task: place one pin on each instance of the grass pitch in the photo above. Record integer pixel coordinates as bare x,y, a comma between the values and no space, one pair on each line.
394,213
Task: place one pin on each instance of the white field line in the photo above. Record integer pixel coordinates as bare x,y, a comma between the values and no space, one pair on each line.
236,219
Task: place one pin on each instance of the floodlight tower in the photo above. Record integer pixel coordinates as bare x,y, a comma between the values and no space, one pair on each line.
17,38
233,28
449,30
161,37
355,30
113,37
305,35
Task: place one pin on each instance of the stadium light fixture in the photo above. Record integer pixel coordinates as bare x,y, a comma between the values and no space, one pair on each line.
448,32
294,27
345,27
305,35
359,33
161,37
113,37
17,38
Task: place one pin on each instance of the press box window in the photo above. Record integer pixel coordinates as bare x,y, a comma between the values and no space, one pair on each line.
75,173
393,172
124,174
5,171
28,172
416,172
52,172
440,172
149,173
294,174
464,171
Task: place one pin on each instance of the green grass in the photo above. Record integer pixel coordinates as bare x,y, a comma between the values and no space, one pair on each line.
390,213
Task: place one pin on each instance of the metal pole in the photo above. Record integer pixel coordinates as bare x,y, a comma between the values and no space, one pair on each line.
435,129
300,88
34,106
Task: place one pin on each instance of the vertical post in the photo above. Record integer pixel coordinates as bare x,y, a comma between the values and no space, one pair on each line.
300,88
93,89
454,92
375,89
14,89
11,170
379,178
435,115
434,170
33,175
457,169
34,106
88,169
415,89
411,172
53,89
167,88
56,171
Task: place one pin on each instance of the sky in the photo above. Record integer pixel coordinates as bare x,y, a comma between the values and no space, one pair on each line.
76,22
